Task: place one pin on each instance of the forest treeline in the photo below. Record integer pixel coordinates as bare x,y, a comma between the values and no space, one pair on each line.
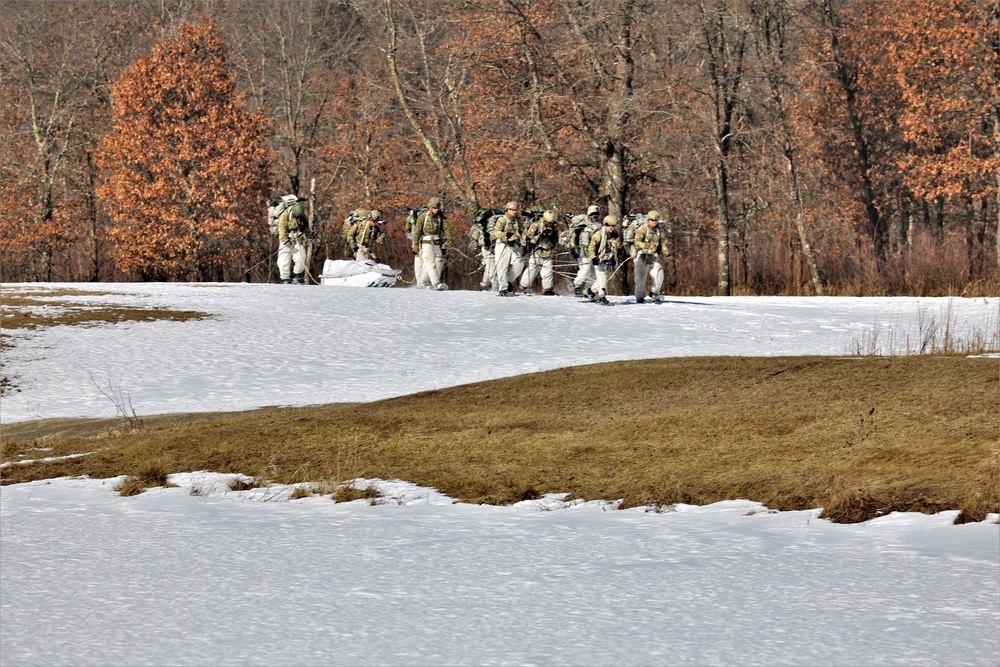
793,146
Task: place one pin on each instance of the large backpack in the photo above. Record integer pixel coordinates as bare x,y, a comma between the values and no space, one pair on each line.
484,219
570,237
411,220
629,225
587,233
278,206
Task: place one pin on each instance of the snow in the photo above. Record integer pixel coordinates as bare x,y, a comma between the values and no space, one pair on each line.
198,574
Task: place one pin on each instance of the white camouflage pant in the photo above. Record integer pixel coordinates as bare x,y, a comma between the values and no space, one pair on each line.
538,265
585,275
647,266
603,271
509,264
489,268
288,253
432,266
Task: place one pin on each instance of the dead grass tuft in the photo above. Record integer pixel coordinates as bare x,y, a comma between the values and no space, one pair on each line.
346,493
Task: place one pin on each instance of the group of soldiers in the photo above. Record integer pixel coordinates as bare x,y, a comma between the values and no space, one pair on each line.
514,249
594,242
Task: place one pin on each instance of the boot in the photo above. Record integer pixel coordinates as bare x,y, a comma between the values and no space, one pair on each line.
654,297
297,279
548,292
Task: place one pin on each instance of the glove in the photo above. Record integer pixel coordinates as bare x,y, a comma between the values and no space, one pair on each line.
575,254
594,261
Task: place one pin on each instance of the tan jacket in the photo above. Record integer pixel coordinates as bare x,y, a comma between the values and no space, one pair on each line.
508,230
431,229
542,237
602,247
650,240
292,229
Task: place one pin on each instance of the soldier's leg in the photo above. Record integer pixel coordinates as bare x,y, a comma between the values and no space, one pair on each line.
504,255
285,262
489,269
430,273
600,287
548,273
640,272
656,271
530,271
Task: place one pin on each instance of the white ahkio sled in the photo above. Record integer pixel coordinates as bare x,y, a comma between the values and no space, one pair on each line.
349,273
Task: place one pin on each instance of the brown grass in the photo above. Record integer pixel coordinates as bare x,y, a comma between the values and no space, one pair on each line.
859,437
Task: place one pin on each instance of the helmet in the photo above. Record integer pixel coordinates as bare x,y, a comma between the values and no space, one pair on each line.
549,216
653,215
434,202
593,210
610,221
513,205
297,210
375,214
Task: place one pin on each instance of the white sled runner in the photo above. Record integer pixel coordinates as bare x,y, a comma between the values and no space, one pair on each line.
349,273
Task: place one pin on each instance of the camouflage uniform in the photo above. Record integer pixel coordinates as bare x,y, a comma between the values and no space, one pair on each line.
541,240
431,238
602,251
482,243
293,234
650,245
585,275
508,238
365,234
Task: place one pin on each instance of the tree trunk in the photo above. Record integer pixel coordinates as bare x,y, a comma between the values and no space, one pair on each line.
876,225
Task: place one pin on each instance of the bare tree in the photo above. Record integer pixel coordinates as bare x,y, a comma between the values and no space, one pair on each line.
771,19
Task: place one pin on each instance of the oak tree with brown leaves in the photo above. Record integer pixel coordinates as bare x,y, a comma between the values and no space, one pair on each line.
188,169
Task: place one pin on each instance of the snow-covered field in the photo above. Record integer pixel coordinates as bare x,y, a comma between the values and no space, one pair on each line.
201,575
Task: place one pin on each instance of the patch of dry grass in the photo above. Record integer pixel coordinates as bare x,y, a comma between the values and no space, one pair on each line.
858,437
28,308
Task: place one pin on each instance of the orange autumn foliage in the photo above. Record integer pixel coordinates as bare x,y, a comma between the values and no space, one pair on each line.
188,168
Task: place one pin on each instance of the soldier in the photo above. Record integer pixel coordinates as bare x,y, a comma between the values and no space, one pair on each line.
508,239
365,234
481,242
650,245
350,226
584,280
540,240
431,239
602,251
293,234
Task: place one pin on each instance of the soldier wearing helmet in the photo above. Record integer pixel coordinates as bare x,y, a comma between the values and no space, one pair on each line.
294,235
586,226
650,247
602,251
508,233
431,239
541,240
365,234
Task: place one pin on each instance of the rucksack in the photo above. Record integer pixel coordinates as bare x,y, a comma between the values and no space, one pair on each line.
484,219
570,237
278,206
631,223
587,233
411,220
